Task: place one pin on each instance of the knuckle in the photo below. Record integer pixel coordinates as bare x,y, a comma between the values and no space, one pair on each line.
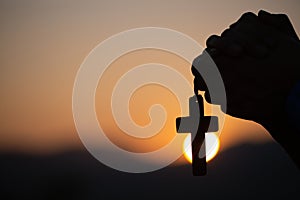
248,16
212,41
283,17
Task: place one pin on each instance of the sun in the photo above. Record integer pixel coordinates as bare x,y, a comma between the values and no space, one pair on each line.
212,143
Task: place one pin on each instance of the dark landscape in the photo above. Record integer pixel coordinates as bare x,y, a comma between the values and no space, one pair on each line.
249,171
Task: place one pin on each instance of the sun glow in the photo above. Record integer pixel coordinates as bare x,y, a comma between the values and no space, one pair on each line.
212,143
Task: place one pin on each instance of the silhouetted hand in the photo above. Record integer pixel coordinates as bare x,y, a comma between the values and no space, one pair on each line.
258,61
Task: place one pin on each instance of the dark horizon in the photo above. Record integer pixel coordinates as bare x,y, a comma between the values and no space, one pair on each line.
247,171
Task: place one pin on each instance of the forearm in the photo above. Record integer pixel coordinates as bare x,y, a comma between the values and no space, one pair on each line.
286,135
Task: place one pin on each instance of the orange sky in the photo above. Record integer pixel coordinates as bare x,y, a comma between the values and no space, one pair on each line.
44,43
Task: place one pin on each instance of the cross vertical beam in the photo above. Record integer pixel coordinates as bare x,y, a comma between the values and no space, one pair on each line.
197,124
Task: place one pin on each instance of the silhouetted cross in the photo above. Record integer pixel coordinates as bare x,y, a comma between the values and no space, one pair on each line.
197,124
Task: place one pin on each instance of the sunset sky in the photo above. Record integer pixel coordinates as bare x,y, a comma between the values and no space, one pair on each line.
43,44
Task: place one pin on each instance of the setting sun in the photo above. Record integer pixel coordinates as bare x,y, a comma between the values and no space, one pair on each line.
212,146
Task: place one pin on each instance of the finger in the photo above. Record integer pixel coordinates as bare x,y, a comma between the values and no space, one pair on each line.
248,35
260,33
250,25
279,21
217,42
252,28
233,44
236,44
234,50
213,52
213,41
217,45
200,84
246,18
247,47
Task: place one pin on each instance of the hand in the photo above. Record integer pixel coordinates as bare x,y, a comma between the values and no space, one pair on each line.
236,44
258,61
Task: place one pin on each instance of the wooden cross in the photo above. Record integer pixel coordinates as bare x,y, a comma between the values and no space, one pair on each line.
197,124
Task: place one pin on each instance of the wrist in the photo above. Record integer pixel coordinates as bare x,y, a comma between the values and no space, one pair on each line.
284,125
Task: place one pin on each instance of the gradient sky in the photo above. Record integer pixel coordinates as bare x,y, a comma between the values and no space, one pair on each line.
43,44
